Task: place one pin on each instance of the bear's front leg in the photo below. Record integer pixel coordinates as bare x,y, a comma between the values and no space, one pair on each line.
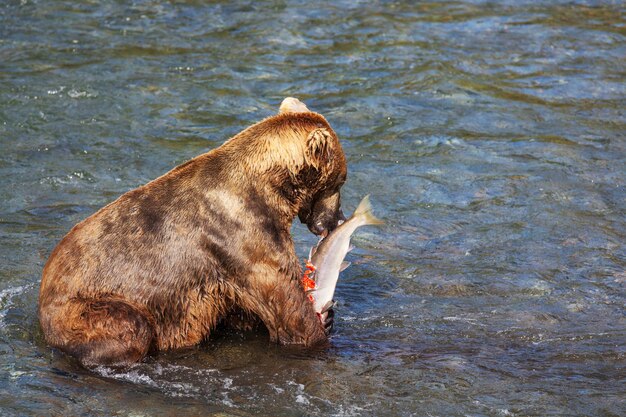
282,305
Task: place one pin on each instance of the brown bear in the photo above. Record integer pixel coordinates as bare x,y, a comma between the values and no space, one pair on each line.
160,267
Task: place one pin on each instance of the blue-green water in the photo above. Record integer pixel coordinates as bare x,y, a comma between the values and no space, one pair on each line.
491,136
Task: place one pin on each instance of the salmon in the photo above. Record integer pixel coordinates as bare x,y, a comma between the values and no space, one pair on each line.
326,259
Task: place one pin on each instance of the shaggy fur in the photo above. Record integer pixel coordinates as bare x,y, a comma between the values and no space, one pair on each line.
162,265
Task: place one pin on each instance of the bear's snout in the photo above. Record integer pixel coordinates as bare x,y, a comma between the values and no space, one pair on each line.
324,215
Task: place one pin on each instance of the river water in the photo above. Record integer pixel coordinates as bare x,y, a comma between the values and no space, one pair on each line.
491,136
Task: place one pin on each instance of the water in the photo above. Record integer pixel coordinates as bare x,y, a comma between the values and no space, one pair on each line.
490,135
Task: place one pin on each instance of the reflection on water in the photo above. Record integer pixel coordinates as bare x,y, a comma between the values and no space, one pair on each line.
490,135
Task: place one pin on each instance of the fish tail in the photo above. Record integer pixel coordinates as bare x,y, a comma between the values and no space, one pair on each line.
364,210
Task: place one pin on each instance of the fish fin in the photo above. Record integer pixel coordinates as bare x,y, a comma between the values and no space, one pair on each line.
344,265
328,306
350,248
365,210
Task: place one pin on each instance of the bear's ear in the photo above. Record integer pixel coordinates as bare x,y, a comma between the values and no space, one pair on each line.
292,105
319,147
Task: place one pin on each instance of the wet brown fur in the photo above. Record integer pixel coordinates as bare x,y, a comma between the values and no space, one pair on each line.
159,267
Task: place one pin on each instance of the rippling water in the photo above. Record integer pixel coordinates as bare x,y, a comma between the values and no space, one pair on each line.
490,135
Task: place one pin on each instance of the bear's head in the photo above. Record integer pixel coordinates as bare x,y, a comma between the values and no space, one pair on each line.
296,156
322,172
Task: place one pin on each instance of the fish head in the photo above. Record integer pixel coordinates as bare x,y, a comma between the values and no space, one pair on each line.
324,213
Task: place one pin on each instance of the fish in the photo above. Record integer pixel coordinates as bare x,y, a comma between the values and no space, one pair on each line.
326,259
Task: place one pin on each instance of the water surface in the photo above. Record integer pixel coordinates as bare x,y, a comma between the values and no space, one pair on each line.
490,135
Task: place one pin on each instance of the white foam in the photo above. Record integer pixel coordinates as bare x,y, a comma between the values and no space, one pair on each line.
350,411
277,388
301,399
6,300
133,376
464,320
73,93
301,396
